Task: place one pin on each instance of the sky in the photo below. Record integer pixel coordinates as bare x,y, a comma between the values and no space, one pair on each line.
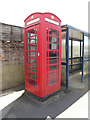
71,12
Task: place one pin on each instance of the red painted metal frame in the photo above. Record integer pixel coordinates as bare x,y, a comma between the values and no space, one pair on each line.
42,89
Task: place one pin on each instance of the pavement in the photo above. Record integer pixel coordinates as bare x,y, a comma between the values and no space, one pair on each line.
58,106
28,107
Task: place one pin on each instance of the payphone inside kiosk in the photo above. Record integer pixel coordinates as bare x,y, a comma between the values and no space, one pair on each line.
42,41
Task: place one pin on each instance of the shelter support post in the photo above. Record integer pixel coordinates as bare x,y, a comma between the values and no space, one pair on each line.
83,61
67,58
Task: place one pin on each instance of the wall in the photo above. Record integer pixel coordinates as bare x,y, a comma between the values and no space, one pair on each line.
11,56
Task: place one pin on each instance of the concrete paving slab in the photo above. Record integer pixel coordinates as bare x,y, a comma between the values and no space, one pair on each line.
75,81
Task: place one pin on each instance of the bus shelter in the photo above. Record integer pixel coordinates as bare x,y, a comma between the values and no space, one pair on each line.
75,53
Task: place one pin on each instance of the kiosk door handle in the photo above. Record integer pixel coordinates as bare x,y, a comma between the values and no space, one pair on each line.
38,54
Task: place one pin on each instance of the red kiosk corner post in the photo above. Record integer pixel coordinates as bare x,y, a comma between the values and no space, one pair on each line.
42,39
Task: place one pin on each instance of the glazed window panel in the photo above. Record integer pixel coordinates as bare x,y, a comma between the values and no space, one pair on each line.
31,47
52,74
52,67
31,61
52,53
31,54
32,82
31,32
52,60
31,68
58,33
31,75
52,46
52,39
31,39
28,40
52,32
47,38
53,81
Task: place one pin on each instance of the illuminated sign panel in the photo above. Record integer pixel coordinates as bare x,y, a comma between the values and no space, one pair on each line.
33,21
52,21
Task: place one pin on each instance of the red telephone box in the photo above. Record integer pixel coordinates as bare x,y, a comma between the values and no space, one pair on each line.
42,54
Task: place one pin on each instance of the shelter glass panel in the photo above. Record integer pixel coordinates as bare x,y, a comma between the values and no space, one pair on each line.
85,47
76,48
75,34
63,47
63,74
